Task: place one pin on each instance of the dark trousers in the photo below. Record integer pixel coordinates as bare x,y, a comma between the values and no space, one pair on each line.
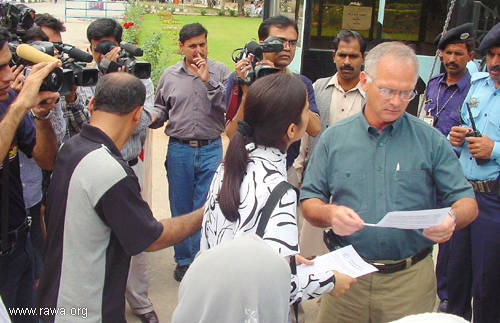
480,242
36,238
459,274
17,280
441,268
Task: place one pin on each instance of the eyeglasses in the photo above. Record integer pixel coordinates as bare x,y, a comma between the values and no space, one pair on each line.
388,93
292,43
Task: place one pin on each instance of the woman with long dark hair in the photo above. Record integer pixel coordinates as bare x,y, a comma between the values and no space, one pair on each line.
276,115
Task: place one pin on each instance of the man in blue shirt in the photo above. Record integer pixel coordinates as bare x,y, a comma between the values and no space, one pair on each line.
286,30
379,160
446,91
36,139
481,240
444,97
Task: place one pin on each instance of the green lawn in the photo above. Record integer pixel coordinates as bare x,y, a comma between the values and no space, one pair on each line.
224,34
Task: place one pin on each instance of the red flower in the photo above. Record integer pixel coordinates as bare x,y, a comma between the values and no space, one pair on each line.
128,24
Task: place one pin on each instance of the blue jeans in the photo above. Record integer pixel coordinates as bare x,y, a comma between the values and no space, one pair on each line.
189,173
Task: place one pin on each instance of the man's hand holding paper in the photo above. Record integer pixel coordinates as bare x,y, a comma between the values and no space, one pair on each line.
441,232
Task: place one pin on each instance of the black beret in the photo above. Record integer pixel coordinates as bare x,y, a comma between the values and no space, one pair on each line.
492,39
459,34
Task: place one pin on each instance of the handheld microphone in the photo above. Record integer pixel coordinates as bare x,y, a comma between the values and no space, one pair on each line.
33,55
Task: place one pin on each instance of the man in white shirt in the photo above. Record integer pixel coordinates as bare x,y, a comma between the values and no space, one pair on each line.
337,97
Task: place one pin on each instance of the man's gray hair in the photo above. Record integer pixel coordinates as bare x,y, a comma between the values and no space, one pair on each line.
396,50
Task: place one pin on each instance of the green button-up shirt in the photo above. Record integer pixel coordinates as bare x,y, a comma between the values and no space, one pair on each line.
401,168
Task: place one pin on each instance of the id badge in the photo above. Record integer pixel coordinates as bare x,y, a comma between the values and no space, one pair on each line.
430,120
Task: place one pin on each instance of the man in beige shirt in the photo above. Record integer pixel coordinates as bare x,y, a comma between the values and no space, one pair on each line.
337,97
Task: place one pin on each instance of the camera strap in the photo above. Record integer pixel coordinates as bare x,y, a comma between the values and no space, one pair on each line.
271,203
233,104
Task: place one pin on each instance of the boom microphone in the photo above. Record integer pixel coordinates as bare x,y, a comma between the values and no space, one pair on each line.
33,55
131,48
73,52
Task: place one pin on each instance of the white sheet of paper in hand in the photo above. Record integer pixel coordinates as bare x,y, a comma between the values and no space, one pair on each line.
412,219
345,260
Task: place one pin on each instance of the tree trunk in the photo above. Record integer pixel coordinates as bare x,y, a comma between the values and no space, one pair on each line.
222,4
241,7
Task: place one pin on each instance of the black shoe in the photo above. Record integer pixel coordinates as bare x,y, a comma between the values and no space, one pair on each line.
180,271
149,317
443,306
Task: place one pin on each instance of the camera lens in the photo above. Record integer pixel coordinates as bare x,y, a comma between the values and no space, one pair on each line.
53,81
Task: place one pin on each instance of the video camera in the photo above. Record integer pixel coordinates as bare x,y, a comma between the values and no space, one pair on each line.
73,71
126,59
17,18
254,52
75,64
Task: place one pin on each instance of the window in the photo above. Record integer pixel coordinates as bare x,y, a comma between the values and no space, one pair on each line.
414,21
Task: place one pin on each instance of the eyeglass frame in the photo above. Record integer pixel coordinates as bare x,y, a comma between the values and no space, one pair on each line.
389,93
289,42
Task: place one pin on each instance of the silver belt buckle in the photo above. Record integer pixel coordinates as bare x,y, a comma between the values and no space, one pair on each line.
193,143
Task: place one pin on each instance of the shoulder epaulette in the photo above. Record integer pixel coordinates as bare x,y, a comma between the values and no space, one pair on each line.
478,76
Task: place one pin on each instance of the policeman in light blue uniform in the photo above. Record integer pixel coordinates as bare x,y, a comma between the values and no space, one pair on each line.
444,97
481,239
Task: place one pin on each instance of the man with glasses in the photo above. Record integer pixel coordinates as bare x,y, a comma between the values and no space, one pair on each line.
379,160
285,29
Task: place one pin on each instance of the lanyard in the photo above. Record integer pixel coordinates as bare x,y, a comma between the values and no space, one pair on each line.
438,110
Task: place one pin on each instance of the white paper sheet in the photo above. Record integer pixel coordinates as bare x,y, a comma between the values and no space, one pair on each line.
345,260
412,219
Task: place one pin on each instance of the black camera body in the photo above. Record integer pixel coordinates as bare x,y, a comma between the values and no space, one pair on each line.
254,52
17,18
126,59
76,62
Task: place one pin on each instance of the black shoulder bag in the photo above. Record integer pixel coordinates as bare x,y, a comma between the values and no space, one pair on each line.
268,208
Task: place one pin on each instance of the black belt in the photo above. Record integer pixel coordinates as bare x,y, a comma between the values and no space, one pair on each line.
133,162
486,186
14,235
403,264
194,142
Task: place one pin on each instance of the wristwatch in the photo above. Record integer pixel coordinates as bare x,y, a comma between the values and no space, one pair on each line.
453,216
34,115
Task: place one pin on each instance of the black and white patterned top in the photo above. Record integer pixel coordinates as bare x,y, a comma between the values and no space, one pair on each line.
266,168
